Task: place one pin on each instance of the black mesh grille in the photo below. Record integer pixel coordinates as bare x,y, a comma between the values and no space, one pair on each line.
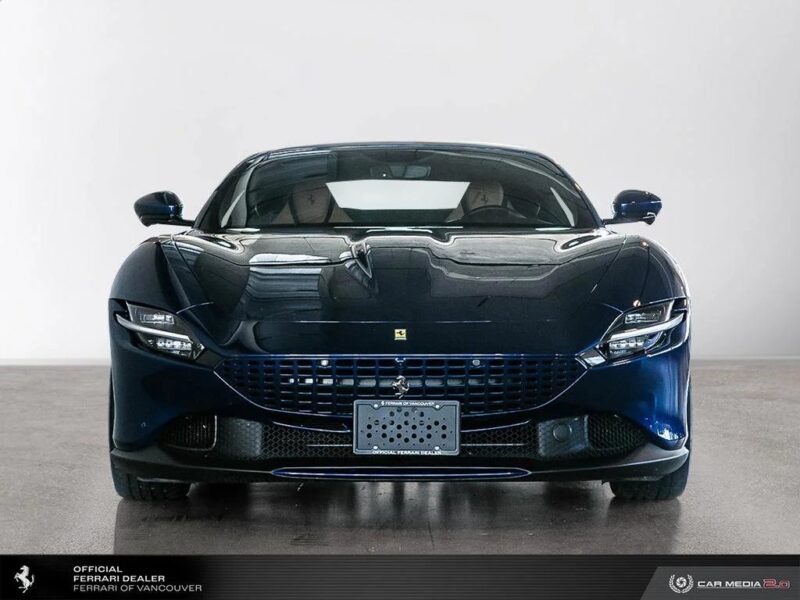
515,441
330,384
606,435
194,432
239,439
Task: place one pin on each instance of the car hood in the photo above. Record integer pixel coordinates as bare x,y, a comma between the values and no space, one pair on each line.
348,291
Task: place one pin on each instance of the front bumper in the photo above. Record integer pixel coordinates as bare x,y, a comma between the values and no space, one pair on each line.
152,391
647,462
213,448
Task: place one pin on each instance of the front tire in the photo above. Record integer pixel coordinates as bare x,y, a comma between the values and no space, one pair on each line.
668,487
131,487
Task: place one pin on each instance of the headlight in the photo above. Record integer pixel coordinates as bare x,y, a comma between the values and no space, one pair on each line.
161,331
638,331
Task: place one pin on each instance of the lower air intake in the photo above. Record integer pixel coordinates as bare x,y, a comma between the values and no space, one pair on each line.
589,436
192,432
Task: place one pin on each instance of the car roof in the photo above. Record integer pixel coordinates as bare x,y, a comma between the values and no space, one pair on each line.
494,148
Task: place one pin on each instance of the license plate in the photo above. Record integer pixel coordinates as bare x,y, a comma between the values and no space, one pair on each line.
406,427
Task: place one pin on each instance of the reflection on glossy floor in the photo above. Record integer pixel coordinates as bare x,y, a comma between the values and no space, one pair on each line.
56,495
392,517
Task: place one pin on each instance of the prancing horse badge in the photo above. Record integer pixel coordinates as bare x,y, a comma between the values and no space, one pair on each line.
400,335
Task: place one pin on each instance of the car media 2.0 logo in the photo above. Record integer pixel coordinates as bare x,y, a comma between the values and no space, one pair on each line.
24,578
680,584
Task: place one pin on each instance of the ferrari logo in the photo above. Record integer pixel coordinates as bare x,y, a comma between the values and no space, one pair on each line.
400,386
400,335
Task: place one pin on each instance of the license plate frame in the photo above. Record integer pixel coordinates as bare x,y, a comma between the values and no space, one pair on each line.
407,427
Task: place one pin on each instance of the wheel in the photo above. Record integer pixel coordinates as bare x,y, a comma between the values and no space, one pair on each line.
668,487
131,487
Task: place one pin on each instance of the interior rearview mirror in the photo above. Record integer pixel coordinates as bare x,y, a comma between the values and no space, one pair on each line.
631,206
160,207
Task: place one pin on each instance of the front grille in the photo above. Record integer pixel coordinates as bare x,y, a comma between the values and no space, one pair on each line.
484,384
244,440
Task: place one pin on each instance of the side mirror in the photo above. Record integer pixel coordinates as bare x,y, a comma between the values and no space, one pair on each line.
160,207
631,206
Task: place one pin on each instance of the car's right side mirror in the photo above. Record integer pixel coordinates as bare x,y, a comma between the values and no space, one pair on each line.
160,207
631,206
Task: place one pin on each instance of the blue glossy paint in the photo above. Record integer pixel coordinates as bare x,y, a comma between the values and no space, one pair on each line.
636,205
345,290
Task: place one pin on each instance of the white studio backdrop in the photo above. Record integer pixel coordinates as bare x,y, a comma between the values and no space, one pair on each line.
104,101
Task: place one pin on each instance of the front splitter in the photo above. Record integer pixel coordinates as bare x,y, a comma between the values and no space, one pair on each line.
647,462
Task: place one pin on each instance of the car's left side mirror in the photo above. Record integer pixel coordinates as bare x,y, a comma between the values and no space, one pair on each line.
631,206
160,207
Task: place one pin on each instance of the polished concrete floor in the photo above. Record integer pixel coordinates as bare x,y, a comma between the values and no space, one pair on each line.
743,495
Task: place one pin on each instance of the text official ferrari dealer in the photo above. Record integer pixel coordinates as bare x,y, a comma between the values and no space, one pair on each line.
399,311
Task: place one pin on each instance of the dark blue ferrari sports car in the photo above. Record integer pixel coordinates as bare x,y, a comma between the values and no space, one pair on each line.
399,311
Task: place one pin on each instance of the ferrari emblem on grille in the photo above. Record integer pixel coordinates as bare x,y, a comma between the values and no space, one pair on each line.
400,386
400,335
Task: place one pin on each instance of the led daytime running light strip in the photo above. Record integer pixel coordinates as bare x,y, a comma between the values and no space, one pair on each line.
150,331
623,335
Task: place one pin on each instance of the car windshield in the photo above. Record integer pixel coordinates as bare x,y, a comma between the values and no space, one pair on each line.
399,187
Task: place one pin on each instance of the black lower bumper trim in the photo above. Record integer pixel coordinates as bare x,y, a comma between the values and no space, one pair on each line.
402,473
648,462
